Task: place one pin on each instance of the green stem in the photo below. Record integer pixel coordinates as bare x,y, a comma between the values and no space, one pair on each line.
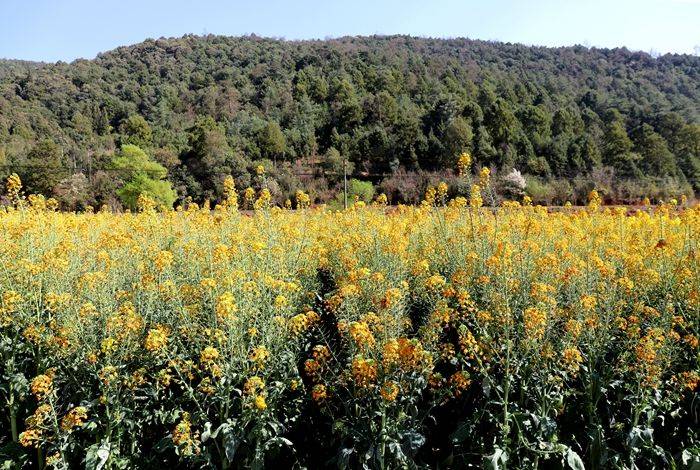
13,423
13,414
382,447
39,458
506,392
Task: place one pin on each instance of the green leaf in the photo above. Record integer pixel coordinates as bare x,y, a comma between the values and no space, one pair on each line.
231,444
413,441
496,460
574,460
206,434
97,456
344,457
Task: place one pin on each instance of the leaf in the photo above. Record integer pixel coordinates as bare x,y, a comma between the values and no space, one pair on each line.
278,441
286,441
225,427
20,382
206,434
496,460
574,460
231,444
486,387
344,457
396,451
690,460
462,433
97,456
413,441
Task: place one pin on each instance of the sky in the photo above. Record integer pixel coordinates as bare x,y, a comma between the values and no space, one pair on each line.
52,30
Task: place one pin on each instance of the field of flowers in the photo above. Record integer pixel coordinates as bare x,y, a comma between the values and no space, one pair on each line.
445,335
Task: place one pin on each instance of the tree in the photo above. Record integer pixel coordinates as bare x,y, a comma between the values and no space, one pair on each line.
688,151
334,165
617,149
136,131
458,139
656,158
345,105
208,107
142,176
484,150
209,158
271,141
45,167
537,126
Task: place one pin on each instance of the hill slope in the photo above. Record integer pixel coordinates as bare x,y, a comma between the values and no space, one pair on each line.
209,106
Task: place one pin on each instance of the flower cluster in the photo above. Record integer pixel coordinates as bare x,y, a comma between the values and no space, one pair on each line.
403,337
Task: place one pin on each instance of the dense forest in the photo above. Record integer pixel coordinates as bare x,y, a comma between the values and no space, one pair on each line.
174,117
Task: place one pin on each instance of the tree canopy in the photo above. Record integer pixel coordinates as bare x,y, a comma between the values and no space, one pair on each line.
205,107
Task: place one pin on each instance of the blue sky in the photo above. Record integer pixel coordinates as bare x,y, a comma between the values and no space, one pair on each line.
53,30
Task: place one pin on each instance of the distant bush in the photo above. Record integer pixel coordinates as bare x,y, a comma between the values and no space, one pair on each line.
357,191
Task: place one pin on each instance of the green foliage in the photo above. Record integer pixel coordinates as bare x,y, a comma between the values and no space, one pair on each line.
142,176
357,191
44,167
136,131
381,102
335,165
271,141
360,190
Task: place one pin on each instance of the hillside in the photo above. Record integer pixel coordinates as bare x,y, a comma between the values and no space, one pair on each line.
205,107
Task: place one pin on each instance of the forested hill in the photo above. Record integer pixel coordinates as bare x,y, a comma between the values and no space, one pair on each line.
205,107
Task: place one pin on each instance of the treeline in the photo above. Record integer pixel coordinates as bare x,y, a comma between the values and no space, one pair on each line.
176,116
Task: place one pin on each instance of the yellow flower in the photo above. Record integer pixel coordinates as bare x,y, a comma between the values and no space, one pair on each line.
163,260
319,393
13,186
361,335
484,177
281,301
108,375
464,163
75,418
253,385
459,382
30,437
435,282
321,352
389,391
230,194
182,436
690,380
53,459
40,416
42,385
588,302
303,199
208,355
390,352
475,199
535,321
259,355
364,371
260,403
156,339
442,190
571,358
264,200
226,306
